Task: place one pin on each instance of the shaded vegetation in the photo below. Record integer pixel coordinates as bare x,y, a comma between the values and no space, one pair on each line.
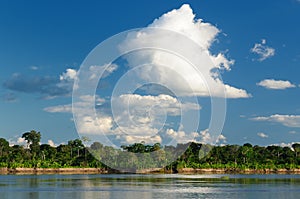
140,155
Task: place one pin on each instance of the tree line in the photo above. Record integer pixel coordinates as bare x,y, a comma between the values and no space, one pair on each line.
141,155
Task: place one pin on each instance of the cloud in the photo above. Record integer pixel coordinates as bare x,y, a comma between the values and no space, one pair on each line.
286,145
292,132
202,137
70,74
136,116
127,139
21,141
262,50
9,97
207,138
286,120
276,84
146,115
25,84
262,135
221,138
174,134
47,86
34,68
89,125
51,143
162,102
67,108
173,71
109,69
59,109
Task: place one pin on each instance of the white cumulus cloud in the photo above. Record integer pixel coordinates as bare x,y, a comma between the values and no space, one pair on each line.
282,144
128,139
70,74
162,102
208,138
221,139
89,125
21,140
262,135
276,84
262,50
140,115
51,143
173,71
174,134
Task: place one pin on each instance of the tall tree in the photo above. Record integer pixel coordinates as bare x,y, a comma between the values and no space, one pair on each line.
296,148
33,139
76,145
4,146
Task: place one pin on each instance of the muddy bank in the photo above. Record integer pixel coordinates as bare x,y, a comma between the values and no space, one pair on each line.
24,171
238,171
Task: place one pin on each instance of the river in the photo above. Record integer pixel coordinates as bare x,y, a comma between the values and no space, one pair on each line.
128,186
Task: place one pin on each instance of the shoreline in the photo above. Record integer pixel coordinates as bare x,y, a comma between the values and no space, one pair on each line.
190,171
29,171
238,171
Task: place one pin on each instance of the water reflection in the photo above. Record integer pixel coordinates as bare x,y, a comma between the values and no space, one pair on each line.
149,186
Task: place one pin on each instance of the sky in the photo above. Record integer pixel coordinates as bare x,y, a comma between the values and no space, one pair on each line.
254,46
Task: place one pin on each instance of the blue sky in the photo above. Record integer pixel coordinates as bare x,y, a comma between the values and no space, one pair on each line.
43,43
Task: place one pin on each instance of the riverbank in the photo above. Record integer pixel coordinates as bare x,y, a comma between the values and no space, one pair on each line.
24,171
238,171
28,171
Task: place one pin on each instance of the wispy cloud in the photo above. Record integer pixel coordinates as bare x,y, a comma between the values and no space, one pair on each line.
276,84
59,109
292,132
262,135
67,108
34,68
262,50
286,120
9,97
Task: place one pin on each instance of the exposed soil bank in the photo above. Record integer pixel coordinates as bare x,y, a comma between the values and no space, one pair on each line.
238,171
24,171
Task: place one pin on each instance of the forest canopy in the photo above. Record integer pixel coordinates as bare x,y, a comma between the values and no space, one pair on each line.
190,155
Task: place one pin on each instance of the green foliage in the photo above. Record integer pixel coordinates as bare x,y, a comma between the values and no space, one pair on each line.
190,155
33,139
